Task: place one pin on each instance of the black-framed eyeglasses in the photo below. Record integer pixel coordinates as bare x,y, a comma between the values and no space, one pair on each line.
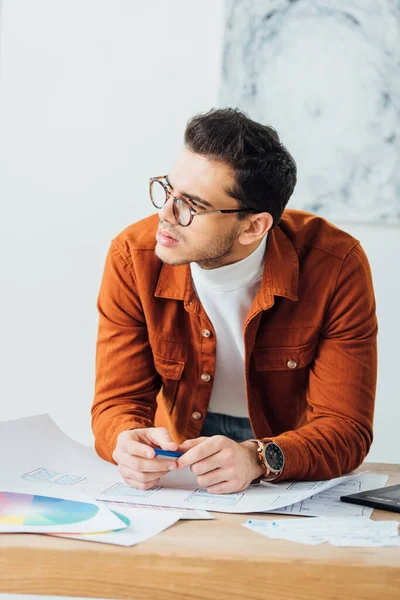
181,206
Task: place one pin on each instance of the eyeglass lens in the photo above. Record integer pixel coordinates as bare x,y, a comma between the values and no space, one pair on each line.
158,194
180,208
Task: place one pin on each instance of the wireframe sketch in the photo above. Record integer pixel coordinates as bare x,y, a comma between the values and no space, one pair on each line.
203,497
123,489
44,475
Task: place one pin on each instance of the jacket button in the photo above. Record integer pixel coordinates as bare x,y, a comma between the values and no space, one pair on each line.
196,415
206,377
206,333
292,364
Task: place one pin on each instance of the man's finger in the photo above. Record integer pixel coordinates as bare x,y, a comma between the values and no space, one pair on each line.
140,486
187,444
208,464
226,487
135,448
159,436
147,465
203,450
212,478
139,477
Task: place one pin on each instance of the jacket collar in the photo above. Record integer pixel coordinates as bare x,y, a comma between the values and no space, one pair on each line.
280,278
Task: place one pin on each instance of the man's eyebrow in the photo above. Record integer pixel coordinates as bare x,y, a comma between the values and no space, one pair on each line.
191,197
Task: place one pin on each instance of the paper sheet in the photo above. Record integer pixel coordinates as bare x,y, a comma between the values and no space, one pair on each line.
179,489
35,450
328,503
185,514
55,458
351,531
143,524
48,511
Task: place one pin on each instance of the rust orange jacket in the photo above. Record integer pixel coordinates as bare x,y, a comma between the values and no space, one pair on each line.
310,346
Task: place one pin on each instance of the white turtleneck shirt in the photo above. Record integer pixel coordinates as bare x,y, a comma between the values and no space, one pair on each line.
227,294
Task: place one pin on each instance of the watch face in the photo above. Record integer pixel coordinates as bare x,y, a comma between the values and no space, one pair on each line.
274,457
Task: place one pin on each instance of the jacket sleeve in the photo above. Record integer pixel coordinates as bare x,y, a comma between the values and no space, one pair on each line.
337,433
126,380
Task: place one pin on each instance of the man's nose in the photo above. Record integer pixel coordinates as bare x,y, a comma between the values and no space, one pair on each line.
166,212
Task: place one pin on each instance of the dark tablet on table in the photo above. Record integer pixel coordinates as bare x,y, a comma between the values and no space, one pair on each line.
386,498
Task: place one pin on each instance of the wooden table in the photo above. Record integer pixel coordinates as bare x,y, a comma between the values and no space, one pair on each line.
204,560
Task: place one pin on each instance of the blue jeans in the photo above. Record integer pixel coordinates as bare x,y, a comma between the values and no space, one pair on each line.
235,428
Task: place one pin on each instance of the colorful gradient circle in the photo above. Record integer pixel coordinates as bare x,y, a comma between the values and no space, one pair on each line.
30,510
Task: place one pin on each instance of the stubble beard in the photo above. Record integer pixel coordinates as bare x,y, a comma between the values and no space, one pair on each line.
212,257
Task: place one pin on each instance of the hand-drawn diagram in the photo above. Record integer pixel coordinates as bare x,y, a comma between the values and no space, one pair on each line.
203,497
123,489
305,486
328,502
43,475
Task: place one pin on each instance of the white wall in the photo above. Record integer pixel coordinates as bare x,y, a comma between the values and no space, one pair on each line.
95,95
382,246
94,99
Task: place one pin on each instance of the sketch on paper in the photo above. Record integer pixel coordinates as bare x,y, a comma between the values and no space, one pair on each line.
203,497
123,489
44,475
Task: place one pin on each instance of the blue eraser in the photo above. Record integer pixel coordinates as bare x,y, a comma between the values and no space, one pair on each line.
167,453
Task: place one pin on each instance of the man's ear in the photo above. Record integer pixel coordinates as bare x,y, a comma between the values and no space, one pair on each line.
255,228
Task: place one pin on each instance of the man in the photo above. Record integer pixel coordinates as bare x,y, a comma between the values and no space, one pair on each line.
253,329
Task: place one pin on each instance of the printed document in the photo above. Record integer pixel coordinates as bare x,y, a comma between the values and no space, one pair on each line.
141,525
45,510
347,531
329,503
55,459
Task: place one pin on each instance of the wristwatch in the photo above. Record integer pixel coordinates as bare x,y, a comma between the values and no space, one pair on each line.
271,458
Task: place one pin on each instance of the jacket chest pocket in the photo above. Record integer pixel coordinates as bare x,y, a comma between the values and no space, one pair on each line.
289,358
171,373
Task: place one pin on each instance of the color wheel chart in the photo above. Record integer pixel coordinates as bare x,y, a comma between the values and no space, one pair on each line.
123,518
31,510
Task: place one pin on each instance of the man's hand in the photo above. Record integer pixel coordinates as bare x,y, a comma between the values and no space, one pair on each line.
221,465
135,456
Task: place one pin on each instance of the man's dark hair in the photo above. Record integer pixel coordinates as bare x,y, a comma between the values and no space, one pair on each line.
265,171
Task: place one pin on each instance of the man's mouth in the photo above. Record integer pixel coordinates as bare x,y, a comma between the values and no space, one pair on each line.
165,238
